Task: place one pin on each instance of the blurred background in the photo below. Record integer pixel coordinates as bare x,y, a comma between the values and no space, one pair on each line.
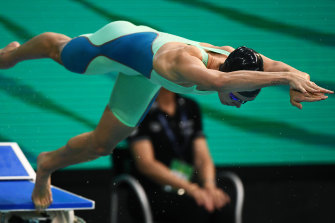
285,156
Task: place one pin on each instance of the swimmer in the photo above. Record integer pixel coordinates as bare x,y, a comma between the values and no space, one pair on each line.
147,60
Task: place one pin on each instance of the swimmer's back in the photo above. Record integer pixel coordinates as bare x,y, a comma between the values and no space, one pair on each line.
124,47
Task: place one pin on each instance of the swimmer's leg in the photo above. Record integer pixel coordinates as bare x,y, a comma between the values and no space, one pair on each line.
82,148
46,45
132,97
125,110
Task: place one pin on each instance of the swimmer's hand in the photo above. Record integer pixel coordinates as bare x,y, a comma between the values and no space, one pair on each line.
296,97
301,82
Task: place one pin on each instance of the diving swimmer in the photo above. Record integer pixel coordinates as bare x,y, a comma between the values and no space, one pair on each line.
147,60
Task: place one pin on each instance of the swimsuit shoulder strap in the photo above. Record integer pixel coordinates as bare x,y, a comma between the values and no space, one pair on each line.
215,50
205,54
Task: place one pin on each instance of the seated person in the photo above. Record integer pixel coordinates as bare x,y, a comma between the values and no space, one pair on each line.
174,165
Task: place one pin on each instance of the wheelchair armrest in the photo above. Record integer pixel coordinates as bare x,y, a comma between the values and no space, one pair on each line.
239,188
139,191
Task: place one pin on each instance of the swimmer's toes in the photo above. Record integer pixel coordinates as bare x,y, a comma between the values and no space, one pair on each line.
9,47
5,59
14,44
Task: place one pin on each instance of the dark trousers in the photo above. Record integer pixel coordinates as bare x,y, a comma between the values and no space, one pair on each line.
168,207
171,207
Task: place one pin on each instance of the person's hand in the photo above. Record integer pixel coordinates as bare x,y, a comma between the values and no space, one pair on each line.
201,197
219,197
296,97
301,82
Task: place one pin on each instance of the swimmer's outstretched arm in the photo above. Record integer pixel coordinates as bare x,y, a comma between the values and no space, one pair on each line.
190,69
296,97
277,66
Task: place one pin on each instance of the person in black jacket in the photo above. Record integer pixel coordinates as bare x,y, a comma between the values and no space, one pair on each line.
174,164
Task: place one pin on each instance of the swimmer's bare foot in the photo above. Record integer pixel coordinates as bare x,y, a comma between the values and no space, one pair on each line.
42,196
5,60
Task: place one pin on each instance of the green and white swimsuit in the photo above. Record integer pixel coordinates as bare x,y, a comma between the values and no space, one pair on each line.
128,49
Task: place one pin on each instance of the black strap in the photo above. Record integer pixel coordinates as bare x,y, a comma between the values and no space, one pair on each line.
177,147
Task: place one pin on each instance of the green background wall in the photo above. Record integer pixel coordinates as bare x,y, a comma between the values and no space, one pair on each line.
42,105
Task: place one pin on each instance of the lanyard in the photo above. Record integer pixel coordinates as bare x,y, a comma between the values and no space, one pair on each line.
177,147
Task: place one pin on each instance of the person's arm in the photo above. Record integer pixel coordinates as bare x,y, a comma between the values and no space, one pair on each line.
296,97
149,166
203,162
278,66
205,167
190,69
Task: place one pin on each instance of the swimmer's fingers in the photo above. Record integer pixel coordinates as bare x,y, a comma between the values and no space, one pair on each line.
315,88
310,88
296,104
314,98
297,97
306,86
311,97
